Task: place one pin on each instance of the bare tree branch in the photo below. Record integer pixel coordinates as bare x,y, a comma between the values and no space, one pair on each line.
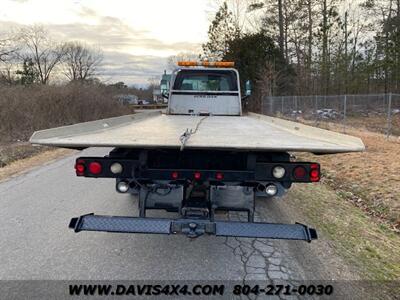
8,53
81,61
172,61
45,53
7,48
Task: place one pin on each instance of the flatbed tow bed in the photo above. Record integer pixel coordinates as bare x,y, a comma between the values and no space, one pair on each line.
253,132
200,157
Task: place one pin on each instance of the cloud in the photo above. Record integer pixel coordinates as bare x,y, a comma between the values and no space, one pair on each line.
111,33
87,12
131,69
119,43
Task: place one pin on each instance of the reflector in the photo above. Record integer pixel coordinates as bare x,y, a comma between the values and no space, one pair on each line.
80,167
315,173
197,175
175,175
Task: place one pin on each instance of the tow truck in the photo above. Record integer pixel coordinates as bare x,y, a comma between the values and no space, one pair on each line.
201,156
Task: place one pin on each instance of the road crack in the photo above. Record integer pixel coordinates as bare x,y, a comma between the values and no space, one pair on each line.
263,260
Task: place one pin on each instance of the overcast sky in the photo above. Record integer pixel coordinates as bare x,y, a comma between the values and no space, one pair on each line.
136,36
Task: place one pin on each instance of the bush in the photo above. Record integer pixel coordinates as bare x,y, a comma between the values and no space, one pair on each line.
25,109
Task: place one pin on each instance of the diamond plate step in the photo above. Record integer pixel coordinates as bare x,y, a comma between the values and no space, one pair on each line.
192,227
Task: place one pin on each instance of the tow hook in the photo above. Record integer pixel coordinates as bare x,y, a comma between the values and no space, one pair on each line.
193,229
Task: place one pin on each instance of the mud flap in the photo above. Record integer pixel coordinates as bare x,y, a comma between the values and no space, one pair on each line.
192,227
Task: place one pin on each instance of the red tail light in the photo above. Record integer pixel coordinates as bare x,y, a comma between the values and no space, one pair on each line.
219,176
95,168
315,174
80,168
175,175
197,175
299,172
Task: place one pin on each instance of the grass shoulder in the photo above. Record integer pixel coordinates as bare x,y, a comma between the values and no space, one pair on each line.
369,246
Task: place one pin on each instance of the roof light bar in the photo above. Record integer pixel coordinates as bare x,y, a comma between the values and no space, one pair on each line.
218,64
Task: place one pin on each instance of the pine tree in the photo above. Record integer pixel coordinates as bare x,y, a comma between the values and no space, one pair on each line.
28,74
221,31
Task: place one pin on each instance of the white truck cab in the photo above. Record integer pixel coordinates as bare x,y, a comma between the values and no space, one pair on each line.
200,90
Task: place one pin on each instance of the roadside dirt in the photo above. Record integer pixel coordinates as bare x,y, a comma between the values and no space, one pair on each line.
370,180
20,166
10,152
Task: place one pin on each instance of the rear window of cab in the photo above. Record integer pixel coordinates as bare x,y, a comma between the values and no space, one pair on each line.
207,80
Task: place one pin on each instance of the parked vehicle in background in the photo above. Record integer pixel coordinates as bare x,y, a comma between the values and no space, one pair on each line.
127,99
143,102
327,113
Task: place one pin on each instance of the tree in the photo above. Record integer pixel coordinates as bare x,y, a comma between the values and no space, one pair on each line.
221,31
81,62
280,22
8,47
45,53
172,61
8,58
120,85
390,34
330,46
154,82
384,26
259,60
242,16
28,74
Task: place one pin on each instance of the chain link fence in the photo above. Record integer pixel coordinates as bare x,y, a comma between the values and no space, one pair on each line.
379,112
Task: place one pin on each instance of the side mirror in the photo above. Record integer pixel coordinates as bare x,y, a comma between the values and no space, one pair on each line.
248,89
165,95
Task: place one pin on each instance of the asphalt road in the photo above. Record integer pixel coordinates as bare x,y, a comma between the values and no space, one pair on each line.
35,242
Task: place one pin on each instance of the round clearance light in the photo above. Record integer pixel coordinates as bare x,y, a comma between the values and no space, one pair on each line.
299,172
197,175
95,167
175,175
278,172
219,176
116,168
271,190
122,186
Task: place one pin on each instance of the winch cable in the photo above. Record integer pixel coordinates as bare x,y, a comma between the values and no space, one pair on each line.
188,133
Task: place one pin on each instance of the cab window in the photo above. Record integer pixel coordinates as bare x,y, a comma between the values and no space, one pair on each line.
195,80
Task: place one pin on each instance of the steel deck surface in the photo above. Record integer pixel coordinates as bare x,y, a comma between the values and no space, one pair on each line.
251,132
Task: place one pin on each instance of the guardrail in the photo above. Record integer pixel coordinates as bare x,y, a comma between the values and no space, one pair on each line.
149,106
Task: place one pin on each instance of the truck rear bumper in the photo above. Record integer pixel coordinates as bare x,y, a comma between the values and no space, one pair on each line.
192,227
